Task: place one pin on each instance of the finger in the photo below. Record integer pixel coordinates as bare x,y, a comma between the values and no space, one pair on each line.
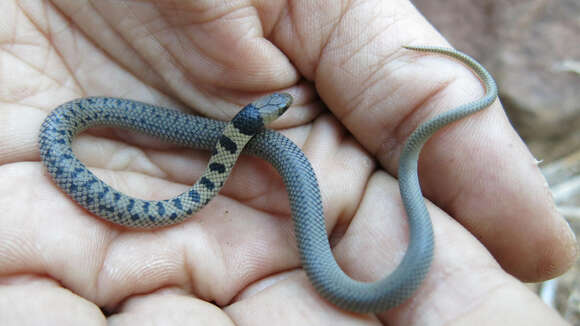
116,52
168,307
289,299
28,300
18,133
204,53
478,170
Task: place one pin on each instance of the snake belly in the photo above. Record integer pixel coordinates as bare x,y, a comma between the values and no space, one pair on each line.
226,141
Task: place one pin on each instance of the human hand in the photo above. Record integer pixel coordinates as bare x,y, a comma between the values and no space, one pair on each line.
239,252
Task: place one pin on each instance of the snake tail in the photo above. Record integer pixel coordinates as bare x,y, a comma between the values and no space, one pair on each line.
327,277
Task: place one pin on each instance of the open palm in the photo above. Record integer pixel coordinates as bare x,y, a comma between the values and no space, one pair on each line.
236,262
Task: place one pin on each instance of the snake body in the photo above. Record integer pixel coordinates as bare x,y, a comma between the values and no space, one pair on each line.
227,140
83,186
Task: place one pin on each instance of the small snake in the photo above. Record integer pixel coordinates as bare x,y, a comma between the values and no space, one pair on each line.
245,132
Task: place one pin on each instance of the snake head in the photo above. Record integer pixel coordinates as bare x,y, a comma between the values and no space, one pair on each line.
256,115
272,106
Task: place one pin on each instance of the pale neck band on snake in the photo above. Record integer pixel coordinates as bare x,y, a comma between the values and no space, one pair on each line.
246,133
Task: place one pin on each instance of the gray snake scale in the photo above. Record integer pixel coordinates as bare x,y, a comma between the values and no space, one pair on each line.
227,141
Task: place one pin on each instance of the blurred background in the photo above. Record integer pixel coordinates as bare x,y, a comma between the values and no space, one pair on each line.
532,48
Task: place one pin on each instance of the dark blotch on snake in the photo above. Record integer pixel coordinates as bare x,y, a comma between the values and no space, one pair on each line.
207,183
228,144
217,167
248,121
194,195
177,203
160,209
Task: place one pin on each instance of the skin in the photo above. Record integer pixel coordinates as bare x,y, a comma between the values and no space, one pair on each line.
236,261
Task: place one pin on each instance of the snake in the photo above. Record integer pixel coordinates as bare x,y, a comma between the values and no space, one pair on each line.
247,133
